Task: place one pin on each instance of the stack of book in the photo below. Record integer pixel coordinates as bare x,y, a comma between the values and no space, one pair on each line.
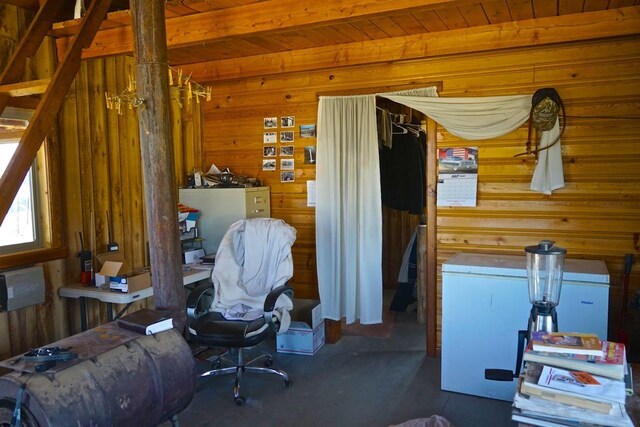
573,380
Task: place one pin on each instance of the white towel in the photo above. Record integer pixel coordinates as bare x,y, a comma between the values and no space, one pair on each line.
548,175
253,258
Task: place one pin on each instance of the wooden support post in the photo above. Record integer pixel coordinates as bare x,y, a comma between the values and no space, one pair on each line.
432,182
154,118
421,283
332,331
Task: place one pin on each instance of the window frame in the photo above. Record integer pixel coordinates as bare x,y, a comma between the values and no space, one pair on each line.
48,222
36,212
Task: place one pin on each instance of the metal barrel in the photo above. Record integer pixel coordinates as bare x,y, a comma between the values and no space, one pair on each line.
140,383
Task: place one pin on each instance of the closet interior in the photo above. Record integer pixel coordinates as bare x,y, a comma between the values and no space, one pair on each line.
402,148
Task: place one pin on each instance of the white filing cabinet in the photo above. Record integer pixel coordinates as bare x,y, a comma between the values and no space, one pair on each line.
485,301
220,207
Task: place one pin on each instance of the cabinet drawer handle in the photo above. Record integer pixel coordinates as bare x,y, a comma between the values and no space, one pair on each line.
258,210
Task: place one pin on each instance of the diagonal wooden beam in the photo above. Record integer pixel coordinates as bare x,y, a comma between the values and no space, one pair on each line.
534,32
46,113
28,46
256,18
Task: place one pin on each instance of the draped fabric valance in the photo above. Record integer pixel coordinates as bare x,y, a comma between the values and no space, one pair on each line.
488,117
468,118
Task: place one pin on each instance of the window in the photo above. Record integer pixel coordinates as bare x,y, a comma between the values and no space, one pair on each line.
20,229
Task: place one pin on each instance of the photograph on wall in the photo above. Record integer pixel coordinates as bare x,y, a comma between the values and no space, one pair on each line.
457,176
307,131
287,121
269,151
270,122
286,164
310,155
287,176
268,164
286,136
286,150
270,137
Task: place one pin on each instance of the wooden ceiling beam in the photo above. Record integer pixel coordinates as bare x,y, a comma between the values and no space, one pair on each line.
533,32
263,18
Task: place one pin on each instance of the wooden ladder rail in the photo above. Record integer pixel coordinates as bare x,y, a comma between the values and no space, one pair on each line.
28,47
47,110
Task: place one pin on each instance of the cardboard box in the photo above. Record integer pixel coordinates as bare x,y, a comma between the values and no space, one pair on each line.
116,272
307,311
192,256
301,339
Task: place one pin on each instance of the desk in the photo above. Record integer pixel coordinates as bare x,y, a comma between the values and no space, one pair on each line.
191,275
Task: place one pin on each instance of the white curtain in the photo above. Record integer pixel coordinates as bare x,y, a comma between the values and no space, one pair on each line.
349,210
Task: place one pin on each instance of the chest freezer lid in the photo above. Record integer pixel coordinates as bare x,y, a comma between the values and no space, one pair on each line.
575,270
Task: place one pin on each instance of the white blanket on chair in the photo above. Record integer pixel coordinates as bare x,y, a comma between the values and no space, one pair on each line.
253,258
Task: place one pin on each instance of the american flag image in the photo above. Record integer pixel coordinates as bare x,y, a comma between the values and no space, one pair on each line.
460,152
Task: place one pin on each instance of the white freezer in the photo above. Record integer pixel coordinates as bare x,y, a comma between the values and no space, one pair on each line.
485,301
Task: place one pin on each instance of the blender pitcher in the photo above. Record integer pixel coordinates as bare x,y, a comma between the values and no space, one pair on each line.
545,266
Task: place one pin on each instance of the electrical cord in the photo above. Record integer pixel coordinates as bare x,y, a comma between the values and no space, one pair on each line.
16,420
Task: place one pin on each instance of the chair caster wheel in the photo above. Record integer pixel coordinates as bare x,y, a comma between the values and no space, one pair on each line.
217,364
287,383
240,401
268,363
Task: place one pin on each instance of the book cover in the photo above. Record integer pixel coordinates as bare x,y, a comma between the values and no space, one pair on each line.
147,321
582,383
531,386
610,364
566,342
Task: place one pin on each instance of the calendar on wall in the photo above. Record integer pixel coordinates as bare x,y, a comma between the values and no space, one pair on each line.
457,176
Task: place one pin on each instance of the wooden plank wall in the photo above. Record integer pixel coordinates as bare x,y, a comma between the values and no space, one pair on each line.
98,159
595,216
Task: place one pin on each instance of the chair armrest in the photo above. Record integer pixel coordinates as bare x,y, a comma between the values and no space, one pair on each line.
270,303
195,296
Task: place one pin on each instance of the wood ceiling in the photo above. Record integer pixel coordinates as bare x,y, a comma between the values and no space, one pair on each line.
214,30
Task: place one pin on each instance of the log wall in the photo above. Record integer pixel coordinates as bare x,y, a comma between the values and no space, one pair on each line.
97,158
103,171
39,324
595,216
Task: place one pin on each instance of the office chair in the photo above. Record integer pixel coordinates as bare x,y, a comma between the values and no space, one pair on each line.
248,299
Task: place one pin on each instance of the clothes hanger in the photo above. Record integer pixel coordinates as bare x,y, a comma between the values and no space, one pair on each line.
402,128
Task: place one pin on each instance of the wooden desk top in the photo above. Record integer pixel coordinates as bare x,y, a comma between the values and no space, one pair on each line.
190,275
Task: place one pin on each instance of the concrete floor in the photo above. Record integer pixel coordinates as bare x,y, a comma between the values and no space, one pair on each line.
359,381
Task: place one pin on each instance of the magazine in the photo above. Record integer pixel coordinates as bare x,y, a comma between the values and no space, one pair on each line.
566,342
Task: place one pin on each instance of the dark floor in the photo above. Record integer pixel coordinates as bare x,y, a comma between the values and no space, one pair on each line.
359,381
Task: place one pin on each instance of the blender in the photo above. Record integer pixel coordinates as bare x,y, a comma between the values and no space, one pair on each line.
545,266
